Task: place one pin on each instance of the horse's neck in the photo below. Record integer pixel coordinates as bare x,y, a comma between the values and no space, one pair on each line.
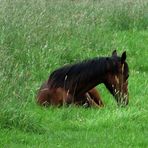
86,87
91,81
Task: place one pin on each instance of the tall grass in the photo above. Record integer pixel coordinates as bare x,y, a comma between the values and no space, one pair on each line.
38,36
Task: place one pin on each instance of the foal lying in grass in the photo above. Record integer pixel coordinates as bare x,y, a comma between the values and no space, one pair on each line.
75,84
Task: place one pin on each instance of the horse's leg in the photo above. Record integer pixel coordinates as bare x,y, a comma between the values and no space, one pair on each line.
90,98
94,97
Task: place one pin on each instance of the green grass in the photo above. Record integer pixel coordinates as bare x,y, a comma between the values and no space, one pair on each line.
38,36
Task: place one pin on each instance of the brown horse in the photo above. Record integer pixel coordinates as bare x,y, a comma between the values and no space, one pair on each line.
76,83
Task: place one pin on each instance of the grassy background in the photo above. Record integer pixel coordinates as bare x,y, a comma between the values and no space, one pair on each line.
38,36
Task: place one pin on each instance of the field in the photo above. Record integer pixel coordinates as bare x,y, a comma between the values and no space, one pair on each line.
38,36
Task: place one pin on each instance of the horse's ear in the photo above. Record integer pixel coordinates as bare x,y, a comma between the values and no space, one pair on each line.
123,57
114,53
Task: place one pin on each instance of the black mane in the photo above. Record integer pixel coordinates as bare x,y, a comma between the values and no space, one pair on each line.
72,75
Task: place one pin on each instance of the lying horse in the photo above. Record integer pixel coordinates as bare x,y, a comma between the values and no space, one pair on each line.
76,83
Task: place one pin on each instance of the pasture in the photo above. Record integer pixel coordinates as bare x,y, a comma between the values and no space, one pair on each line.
38,36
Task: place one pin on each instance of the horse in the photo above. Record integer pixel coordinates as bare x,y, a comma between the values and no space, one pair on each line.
75,84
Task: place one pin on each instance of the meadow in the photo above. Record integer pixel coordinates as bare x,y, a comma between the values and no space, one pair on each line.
38,36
